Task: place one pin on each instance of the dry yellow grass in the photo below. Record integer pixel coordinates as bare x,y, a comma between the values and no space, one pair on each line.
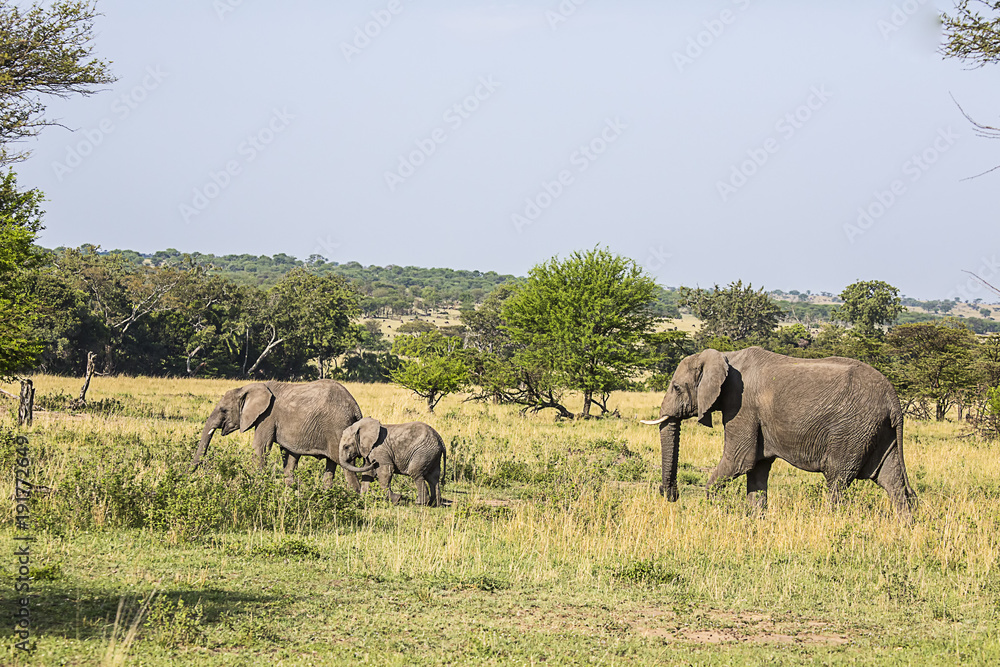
855,567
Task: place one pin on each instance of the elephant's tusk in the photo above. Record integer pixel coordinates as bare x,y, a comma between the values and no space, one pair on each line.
653,422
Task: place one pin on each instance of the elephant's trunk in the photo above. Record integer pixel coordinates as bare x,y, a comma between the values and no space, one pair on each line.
348,466
670,440
211,424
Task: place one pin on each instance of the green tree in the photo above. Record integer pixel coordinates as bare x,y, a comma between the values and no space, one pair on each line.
46,50
666,349
432,365
581,322
490,357
314,313
932,363
741,314
20,222
869,305
120,294
972,32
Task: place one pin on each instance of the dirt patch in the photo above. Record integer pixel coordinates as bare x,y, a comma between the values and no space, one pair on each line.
715,627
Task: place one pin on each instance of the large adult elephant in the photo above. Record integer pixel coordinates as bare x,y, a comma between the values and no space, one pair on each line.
836,416
304,419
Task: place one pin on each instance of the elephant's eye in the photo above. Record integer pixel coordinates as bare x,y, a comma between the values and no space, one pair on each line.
676,387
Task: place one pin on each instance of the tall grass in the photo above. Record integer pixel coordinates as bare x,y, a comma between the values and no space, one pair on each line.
537,504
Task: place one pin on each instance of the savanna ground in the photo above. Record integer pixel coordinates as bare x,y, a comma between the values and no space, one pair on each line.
554,547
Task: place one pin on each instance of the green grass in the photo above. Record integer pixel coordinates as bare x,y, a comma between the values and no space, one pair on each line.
554,547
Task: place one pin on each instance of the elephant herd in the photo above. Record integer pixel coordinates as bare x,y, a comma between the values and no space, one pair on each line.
322,419
836,416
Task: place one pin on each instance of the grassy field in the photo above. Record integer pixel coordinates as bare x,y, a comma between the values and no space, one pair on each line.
554,547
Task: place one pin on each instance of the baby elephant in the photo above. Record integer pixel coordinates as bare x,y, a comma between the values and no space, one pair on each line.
413,449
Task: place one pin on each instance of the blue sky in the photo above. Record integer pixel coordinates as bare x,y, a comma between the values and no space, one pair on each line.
790,145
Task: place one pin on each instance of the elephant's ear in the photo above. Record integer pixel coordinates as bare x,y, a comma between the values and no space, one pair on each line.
257,398
368,432
714,370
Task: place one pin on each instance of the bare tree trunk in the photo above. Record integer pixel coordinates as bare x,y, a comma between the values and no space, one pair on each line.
267,350
25,410
81,400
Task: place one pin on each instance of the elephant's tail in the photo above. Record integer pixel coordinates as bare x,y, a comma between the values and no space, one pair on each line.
911,495
444,464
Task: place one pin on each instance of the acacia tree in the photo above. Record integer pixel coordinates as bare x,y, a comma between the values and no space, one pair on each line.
972,35
932,363
431,366
493,370
45,49
972,32
741,314
581,322
869,305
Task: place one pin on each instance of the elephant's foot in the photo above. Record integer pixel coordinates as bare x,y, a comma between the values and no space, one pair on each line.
758,503
394,498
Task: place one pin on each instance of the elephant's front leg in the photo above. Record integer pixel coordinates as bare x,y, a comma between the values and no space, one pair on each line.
263,438
352,479
725,471
757,485
290,460
384,474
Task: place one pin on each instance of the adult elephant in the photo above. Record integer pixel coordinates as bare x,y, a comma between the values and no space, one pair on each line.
836,416
304,419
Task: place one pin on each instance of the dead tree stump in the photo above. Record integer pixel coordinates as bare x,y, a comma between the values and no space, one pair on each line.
26,407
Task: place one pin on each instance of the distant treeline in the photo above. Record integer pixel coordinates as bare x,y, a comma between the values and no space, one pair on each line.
171,313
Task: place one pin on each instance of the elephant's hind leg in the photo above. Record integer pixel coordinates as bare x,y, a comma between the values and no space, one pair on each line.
892,477
422,495
434,484
757,484
289,460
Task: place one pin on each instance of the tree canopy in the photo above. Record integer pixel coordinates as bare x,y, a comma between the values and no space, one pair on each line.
45,50
740,314
972,32
20,222
583,320
869,304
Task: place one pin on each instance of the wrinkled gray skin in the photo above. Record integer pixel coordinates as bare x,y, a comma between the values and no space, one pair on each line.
304,419
836,416
414,449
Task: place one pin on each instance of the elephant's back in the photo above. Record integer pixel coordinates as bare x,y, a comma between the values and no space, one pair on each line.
310,418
